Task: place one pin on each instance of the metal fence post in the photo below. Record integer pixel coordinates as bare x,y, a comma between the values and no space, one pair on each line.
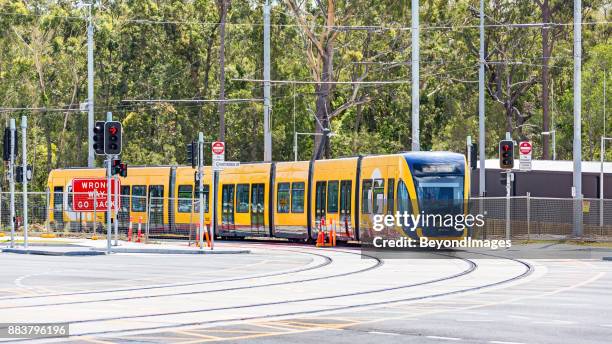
528,216
148,206
47,211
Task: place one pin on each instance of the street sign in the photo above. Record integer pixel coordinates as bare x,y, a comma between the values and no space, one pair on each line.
218,154
218,148
220,165
525,150
84,190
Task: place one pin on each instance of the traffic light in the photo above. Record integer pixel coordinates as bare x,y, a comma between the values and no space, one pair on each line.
19,173
98,138
6,153
506,154
473,158
112,138
116,167
123,169
503,178
192,154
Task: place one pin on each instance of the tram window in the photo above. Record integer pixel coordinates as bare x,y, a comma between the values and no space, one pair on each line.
125,198
366,197
390,196
196,208
345,197
139,194
58,198
403,201
282,198
297,197
156,197
242,198
332,197
379,196
185,194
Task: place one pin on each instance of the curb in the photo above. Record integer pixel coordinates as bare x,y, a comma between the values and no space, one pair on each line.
52,253
168,251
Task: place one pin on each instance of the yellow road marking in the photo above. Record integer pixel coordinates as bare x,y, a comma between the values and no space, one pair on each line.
189,333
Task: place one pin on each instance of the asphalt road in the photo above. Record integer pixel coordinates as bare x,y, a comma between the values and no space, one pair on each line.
301,294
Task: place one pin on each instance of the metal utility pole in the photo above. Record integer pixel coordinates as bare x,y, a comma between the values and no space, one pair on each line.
416,145
90,88
201,186
11,175
481,106
109,117
266,76
24,126
577,118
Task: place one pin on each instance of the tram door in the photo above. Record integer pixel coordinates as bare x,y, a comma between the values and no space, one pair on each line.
345,207
320,201
257,209
227,207
58,206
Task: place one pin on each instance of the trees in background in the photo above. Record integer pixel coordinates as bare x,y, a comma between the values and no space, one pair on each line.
205,49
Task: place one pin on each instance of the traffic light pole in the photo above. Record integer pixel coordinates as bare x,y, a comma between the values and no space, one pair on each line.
24,126
109,117
201,187
116,181
11,175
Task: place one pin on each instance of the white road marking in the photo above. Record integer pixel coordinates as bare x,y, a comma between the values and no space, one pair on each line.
385,333
444,338
519,317
606,325
502,342
475,320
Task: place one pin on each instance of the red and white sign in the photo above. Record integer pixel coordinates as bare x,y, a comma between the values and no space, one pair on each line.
218,148
525,147
86,190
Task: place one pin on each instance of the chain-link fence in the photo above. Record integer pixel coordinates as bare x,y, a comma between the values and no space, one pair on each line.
542,218
177,218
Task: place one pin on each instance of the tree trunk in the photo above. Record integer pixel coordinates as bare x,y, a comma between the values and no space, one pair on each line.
323,91
223,9
546,51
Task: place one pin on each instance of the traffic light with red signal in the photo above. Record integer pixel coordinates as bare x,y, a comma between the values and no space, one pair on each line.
112,138
119,168
506,154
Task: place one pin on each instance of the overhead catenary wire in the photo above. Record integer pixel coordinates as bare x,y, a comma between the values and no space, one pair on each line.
380,27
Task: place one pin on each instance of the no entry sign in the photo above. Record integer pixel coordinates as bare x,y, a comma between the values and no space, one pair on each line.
86,190
218,148
525,147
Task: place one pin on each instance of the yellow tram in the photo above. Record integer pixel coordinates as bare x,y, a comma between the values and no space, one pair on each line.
282,199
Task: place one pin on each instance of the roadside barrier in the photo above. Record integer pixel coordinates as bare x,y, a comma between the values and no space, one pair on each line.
206,236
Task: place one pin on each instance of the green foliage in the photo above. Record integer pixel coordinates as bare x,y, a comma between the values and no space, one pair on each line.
147,49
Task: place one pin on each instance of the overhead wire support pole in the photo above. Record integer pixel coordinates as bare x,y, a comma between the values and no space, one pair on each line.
12,179
481,106
577,118
90,87
266,76
416,146
201,187
24,156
